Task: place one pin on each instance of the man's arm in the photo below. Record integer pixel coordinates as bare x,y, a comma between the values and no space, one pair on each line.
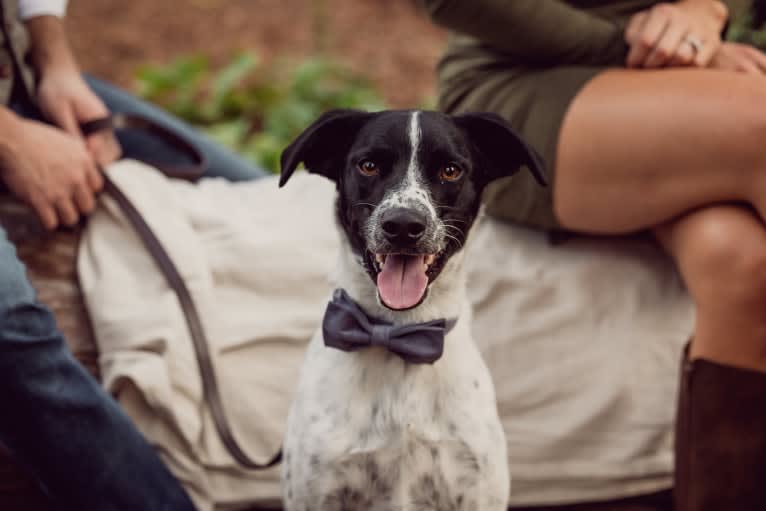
62,94
51,169
49,43
47,168
31,8
49,47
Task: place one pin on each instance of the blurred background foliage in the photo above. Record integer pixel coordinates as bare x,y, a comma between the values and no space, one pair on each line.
258,109
748,23
252,108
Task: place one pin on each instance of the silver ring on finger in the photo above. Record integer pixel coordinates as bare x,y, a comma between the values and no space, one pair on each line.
695,42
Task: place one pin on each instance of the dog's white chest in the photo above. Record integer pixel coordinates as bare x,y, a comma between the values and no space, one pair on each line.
368,431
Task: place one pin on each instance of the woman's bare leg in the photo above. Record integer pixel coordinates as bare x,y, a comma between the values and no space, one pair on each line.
682,152
720,448
638,148
670,148
721,254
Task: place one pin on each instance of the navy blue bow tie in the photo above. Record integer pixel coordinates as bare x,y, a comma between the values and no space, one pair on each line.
347,327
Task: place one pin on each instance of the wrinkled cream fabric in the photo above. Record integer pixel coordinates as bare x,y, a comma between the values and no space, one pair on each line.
582,339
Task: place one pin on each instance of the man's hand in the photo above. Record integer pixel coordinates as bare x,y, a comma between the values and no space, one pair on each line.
741,58
55,170
50,170
685,33
67,101
62,94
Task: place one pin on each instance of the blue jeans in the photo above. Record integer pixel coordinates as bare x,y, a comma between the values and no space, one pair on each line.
55,418
59,422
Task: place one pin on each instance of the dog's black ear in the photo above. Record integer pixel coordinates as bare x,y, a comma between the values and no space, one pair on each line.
322,147
500,147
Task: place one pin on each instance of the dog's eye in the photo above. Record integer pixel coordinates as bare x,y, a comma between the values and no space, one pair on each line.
368,168
450,173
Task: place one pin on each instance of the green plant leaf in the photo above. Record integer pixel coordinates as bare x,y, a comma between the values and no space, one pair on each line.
223,87
229,133
253,109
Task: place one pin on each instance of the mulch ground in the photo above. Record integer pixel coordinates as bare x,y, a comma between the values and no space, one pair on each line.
389,41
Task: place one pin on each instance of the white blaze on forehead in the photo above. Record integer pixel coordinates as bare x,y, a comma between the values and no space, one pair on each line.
412,188
412,191
412,169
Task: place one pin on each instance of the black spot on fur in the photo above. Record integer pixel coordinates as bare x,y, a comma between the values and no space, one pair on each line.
426,488
437,411
426,495
372,469
467,460
346,498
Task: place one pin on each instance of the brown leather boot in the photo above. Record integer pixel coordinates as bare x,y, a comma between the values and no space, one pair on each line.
720,438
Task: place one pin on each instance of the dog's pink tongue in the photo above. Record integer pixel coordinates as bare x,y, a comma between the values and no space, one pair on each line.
402,281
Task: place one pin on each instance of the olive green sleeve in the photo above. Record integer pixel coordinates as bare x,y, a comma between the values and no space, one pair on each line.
537,31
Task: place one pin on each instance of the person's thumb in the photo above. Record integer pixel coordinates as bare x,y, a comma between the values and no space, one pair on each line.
63,116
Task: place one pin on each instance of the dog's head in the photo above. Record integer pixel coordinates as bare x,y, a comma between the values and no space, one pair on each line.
409,186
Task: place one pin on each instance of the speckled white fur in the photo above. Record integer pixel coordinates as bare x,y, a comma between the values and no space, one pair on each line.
368,431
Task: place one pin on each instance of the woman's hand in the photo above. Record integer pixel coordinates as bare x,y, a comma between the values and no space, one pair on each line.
741,58
686,33
66,100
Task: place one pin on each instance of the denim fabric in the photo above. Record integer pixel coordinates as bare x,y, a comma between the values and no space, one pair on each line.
58,421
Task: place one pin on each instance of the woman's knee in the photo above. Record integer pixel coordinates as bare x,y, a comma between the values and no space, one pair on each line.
744,144
721,252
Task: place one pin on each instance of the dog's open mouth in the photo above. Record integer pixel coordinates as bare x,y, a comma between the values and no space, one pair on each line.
402,279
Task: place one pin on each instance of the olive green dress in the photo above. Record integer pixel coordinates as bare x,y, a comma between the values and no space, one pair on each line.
526,60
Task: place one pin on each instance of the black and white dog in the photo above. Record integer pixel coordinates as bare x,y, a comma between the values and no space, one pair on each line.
393,419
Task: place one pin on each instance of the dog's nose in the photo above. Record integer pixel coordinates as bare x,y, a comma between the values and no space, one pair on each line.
401,225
